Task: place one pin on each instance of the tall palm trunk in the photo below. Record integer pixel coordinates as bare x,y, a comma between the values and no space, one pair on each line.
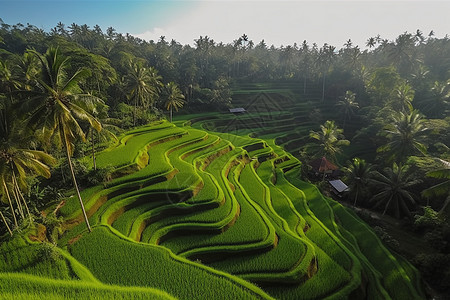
323,88
171,114
19,205
74,180
21,196
135,112
444,207
93,150
6,223
10,204
356,198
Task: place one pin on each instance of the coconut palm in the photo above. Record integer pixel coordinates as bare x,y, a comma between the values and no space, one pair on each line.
323,62
56,105
403,96
347,106
405,136
392,190
329,140
141,83
7,80
371,42
175,99
100,112
358,175
402,52
16,163
437,104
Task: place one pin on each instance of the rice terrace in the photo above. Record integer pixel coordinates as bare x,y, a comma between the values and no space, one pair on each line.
134,169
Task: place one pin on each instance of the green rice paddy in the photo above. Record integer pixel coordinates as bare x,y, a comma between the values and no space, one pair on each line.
198,213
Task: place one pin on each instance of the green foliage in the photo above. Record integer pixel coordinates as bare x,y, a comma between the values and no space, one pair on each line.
22,286
358,175
405,136
118,261
430,218
40,259
392,190
329,140
382,84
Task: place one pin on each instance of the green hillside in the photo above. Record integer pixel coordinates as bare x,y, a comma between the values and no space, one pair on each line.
194,213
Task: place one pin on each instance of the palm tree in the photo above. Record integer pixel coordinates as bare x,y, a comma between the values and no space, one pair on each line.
175,99
402,53
16,163
371,42
100,112
440,189
329,140
403,97
358,174
141,84
438,103
405,136
392,189
324,61
7,81
305,58
57,103
418,37
348,105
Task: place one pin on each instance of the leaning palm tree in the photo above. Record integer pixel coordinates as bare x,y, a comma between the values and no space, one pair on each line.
175,99
329,140
405,136
57,103
358,175
347,105
392,190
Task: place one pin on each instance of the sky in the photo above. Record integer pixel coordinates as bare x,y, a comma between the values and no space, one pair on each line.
277,22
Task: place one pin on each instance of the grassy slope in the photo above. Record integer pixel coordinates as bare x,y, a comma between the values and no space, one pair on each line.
267,226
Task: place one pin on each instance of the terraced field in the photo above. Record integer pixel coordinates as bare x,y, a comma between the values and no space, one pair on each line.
196,214
212,207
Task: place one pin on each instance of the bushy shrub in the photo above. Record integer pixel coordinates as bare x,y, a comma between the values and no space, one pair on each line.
386,238
48,253
99,176
430,218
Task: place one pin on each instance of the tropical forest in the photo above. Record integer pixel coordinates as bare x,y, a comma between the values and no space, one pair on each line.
150,169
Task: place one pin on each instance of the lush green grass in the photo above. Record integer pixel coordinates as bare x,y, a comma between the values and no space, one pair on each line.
115,260
133,147
27,287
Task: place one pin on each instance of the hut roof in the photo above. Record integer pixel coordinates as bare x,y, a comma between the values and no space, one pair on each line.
338,185
237,110
322,165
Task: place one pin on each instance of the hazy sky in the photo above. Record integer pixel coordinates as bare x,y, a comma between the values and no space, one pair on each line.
277,22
